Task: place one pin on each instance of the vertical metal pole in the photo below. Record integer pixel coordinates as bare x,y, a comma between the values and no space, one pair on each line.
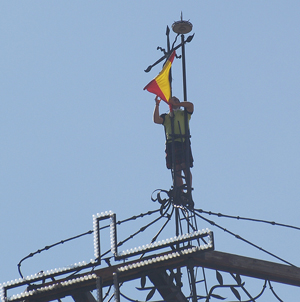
193,283
117,288
113,238
183,68
99,289
168,49
98,243
186,123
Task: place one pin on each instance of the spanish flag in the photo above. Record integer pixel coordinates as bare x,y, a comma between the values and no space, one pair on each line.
161,84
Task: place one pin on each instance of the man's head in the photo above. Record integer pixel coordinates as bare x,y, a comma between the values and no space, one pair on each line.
174,101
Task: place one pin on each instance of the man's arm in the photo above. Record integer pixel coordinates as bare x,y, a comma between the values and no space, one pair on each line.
188,106
157,119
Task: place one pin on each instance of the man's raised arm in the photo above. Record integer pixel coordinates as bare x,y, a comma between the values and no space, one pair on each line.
188,106
157,119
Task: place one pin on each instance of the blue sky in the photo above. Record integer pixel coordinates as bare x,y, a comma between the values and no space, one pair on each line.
76,127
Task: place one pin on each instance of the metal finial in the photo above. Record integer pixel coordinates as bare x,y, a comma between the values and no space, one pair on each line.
182,27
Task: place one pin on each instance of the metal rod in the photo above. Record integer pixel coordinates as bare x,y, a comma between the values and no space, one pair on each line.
99,289
117,287
193,283
186,124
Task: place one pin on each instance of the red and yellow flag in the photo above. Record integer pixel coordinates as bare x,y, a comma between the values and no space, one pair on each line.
161,84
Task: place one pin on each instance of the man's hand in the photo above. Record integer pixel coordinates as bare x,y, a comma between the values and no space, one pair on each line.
177,104
157,100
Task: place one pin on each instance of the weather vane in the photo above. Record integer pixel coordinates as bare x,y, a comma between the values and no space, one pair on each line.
181,27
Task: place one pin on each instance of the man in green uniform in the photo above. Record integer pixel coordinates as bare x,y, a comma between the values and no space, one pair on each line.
180,146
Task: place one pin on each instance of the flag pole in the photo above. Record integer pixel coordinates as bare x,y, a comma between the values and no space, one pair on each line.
181,28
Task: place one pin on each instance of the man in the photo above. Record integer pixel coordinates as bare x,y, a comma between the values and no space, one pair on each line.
180,148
